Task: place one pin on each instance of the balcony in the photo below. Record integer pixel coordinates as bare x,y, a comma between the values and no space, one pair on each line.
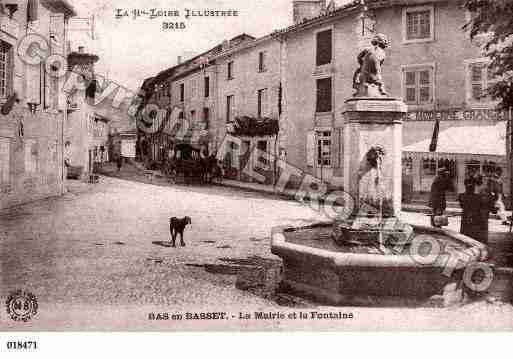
9,26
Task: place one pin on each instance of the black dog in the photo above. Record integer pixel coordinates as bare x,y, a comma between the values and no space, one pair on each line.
177,226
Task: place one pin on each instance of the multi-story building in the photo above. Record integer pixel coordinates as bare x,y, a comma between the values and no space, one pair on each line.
302,75
249,101
431,64
32,113
188,91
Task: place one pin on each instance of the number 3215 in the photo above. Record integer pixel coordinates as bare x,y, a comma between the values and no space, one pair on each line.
173,25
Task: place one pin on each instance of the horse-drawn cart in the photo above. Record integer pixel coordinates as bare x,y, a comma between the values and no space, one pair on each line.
190,166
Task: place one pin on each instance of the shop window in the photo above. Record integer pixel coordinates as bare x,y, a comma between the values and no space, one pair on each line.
324,148
407,166
472,167
428,167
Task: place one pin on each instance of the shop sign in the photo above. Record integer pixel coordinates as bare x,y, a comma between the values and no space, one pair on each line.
458,115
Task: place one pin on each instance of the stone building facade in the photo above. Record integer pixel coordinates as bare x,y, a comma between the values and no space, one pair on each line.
32,118
432,65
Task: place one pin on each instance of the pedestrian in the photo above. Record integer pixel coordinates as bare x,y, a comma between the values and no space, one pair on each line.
496,189
485,203
120,162
470,202
437,202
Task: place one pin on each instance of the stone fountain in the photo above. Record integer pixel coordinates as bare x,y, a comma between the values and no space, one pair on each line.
372,254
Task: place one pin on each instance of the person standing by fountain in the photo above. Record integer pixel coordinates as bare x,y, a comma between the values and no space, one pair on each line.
438,203
485,205
470,202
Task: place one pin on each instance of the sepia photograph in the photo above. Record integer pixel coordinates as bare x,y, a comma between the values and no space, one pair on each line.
255,166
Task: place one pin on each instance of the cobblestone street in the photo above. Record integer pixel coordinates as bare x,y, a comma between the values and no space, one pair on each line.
98,258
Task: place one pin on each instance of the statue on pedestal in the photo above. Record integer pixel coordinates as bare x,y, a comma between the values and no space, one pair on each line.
367,79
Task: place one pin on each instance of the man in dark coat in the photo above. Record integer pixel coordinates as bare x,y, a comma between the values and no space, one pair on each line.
485,205
437,201
470,202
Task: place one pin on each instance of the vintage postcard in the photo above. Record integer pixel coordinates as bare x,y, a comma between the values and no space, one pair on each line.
269,165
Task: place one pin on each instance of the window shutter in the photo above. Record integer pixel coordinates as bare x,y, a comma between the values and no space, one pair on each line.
32,10
410,81
324,50
476,75
310,148
324,95
424,87
337,147
425,27
5,161
265,103
10,72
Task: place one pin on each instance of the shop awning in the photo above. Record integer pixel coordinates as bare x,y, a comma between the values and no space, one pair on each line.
475,140
254,127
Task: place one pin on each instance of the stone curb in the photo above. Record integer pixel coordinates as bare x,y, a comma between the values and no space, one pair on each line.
289,195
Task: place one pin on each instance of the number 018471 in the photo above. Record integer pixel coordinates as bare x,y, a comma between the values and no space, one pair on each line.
20,345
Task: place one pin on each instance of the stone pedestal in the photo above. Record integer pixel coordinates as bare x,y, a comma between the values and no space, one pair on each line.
371,122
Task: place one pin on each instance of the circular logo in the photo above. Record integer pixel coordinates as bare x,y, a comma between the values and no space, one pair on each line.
21,306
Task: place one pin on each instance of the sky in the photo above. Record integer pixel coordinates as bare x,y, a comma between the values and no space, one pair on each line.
132,50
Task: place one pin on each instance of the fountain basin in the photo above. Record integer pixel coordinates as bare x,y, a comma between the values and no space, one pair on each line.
314,265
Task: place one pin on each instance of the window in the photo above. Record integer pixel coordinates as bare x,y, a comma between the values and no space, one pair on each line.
31,155
262,103
262,147
479,79
418,85
206,117
193,118
182,92
229,108
428,167
324,148
6,71
207,86
230,70
193,88
261,61
418,23
5,161
324,95
324,48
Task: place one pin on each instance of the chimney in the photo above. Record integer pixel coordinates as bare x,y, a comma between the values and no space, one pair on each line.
81,49
178,60
307,9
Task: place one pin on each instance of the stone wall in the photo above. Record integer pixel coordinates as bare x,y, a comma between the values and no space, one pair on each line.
31,158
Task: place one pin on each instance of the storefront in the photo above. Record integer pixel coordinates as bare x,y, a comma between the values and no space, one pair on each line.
257,134
463,150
